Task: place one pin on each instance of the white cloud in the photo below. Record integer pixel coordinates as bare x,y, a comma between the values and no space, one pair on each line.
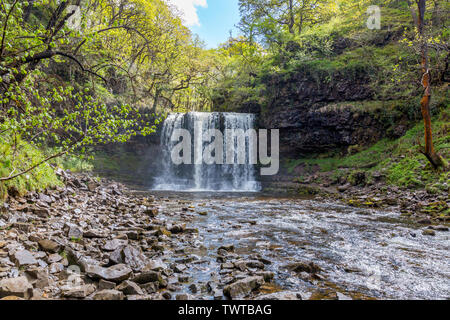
188,9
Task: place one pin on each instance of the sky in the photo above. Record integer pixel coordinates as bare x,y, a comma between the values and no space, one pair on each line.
212,20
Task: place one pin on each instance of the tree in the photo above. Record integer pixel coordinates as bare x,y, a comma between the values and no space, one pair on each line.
419,20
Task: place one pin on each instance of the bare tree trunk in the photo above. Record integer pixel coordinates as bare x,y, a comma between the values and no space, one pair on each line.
434,158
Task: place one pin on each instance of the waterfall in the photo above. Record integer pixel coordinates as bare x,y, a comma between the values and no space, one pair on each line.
201,176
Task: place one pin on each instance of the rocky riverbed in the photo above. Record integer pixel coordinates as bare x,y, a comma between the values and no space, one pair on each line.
95,239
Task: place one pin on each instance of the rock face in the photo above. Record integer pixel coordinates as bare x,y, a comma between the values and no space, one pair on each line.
243,287
316,112
18,287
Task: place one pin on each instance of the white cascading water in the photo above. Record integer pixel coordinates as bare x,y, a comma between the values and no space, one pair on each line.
203,177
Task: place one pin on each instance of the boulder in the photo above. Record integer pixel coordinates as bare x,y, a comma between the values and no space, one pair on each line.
243,287
49,246
130,288
116,273
18,287
24,258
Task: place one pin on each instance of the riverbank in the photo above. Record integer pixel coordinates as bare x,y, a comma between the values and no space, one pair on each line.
97,239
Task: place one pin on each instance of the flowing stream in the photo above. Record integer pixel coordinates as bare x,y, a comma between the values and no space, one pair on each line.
363,253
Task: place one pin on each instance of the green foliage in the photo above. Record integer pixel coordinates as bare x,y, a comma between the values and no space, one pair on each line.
19,158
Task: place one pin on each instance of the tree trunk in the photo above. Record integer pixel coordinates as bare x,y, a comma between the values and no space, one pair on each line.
291,16
434,158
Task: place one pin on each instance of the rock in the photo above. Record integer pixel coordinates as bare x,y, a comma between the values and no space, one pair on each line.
155,265
74,232
428,232
38,277
228,248
299,267
441,228
243,287
19,287
344,187
425,221
130,288
177,229
49,246
106,285
183,297
151,212
108,295
149,276
79,292
130,256
94,233
179,268
115,244
133,257
54,258
24,258
194,288
283,296
116,273
244,264
151,287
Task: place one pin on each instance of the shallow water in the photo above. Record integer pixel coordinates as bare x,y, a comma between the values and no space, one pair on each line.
364,253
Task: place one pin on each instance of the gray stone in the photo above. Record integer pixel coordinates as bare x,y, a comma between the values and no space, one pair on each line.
24,258
116,273
115,244
130,288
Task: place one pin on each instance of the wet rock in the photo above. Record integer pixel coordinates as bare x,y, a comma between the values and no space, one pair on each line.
151,287
130,288
244,264
155,265
49,246
24,258
149,276
227,248
108,295
194,288
177,229
299,267
243,287
18,287
116,273
183,297
429,232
